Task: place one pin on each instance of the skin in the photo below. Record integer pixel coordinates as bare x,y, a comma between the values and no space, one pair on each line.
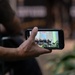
11,25
26,50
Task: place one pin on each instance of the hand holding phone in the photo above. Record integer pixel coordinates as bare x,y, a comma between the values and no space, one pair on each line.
48,38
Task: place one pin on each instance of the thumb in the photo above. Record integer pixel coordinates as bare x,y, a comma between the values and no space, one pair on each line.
33,34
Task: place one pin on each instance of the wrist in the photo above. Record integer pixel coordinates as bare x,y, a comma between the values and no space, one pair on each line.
19,53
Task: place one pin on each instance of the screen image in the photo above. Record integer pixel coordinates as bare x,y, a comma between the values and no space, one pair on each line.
47,39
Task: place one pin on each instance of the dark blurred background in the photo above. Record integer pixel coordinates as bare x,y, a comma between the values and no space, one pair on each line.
51,13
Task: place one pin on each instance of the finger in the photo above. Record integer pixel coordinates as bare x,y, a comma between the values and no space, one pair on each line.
33,34
43,50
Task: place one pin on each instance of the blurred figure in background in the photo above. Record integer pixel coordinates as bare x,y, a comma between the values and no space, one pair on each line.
16,58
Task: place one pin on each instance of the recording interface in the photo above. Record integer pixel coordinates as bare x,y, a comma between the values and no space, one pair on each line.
47,39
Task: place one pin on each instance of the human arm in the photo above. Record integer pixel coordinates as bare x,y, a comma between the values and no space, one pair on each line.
26,50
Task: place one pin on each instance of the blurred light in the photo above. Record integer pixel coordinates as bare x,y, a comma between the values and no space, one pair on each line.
72,11
32,11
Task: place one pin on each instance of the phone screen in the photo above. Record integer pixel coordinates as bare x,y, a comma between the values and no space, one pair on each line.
47,39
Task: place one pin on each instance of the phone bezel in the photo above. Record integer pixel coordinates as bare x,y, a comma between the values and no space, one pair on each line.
61,37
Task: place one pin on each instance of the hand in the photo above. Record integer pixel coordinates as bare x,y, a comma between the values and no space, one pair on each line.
29,49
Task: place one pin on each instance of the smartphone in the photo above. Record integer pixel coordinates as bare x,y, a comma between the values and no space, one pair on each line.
48,38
